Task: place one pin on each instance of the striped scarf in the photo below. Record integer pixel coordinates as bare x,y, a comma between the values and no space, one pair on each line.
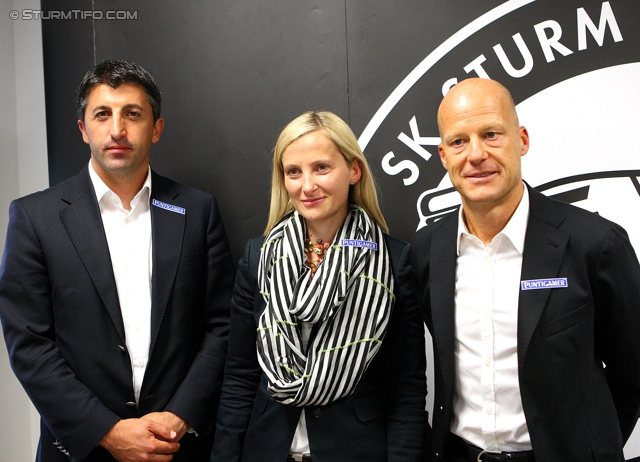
350,298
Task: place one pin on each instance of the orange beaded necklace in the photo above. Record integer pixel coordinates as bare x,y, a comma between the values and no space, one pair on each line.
319,248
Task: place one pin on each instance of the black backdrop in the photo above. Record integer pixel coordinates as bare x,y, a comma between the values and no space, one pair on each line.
233,73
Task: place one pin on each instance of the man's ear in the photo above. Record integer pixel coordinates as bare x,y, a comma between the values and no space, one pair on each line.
524,139
442,159
85,138
157,130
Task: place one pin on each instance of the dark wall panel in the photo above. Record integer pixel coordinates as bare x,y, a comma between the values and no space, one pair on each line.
67,52
233,73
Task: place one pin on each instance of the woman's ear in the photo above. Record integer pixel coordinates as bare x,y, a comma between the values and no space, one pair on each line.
356,171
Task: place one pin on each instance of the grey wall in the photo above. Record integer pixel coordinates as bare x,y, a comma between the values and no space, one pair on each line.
23,169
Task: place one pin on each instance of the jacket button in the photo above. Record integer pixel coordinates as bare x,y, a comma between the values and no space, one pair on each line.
131,404
438,456
442,410
317,413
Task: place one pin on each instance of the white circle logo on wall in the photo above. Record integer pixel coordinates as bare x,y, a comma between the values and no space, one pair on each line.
573,68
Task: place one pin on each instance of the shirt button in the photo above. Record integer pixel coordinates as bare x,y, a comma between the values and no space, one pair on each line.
489,411
317,413
487,362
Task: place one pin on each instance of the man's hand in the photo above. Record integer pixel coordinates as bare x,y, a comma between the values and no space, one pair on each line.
140,440
171,421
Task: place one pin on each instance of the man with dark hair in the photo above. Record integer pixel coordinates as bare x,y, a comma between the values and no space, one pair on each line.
533,304
115,73
114,292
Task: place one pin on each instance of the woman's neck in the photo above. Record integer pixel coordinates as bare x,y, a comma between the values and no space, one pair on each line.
325,230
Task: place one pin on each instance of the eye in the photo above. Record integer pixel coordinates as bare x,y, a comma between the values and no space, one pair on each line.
457,142
323,168
134,114
101,115
292,172
491,135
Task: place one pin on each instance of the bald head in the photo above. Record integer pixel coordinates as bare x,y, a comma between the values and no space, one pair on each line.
465,96
481,147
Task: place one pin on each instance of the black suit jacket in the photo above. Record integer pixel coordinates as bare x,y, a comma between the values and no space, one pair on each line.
576,409
64,329
383,419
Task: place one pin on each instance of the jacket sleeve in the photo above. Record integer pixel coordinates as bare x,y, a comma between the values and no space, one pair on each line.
405,371
617,301
197,397
73,412
242,370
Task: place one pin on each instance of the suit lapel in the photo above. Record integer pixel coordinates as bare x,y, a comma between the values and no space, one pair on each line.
83,223
167,230
544,249
442,277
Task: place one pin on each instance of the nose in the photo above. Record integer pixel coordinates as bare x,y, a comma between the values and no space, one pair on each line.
477,152
117,127
308,184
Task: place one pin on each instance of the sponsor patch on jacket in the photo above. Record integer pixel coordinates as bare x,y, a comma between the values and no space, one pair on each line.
553,283
169,207
359,243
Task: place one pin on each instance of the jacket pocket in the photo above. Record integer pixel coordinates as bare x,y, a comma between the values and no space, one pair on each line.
192,260
369,406
564,322
608,446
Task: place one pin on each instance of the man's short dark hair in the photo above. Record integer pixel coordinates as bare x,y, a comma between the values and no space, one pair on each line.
114,73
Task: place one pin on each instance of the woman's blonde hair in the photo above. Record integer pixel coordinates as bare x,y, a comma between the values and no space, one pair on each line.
363,193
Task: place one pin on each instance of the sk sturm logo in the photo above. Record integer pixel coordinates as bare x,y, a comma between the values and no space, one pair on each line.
573,68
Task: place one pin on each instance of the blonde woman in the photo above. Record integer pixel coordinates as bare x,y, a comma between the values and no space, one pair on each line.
326,350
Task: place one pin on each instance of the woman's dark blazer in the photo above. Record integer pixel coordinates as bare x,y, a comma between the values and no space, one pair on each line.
382,420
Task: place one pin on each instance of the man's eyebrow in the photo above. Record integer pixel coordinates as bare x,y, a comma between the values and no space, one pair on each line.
452,136
100,108
104,107
133,105
494,127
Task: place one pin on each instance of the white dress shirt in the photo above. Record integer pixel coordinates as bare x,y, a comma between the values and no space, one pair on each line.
300,443
487,403
129,237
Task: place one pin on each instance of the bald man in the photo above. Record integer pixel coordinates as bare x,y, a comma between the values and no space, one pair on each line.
533,304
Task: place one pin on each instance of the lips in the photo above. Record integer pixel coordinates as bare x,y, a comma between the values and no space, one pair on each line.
312,202
479,175
119,148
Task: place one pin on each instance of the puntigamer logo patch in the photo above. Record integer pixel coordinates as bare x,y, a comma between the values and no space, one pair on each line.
169,207
359,243
554,283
